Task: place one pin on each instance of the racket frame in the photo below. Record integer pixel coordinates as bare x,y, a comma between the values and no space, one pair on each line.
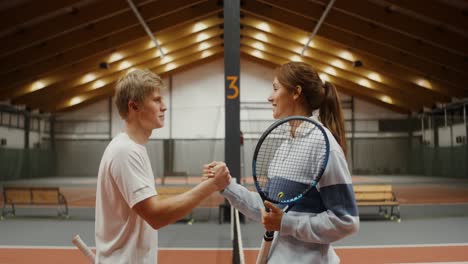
269,235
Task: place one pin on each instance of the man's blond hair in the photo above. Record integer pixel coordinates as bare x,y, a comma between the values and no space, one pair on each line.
135,86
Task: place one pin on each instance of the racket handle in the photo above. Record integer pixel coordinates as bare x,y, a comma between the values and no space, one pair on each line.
265,248
264,251
80,244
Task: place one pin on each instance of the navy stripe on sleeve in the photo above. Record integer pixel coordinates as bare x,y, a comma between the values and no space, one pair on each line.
339,198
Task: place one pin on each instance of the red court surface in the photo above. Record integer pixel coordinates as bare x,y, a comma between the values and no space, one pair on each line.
456,253
411,193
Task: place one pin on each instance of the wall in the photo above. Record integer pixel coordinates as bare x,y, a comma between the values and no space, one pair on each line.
14,137
195,120
17,162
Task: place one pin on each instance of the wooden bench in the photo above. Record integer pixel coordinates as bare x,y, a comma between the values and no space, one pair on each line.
381,196
28,196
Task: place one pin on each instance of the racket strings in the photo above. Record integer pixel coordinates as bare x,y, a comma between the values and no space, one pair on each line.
289,159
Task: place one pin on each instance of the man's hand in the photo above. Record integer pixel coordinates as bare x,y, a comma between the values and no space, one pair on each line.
272,220
208,170
217,172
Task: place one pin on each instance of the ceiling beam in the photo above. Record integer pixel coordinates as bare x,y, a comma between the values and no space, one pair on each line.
338,76
339,73
308,13
426,95
107,29
108,91
92,96
108,45
66,23
399,22
145,60
139,51
20,81
291,34
351,40
436,10
372,97
14,18
100,78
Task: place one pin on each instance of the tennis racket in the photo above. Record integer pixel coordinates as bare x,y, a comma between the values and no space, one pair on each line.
288,162
80,244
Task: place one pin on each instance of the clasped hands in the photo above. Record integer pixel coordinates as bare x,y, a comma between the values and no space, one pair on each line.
271,220
217,172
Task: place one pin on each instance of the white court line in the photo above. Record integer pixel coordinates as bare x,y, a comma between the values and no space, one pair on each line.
39,247
407,246
194,248
434,263
339,247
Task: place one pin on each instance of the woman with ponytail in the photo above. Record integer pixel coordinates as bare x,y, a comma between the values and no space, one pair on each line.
305,234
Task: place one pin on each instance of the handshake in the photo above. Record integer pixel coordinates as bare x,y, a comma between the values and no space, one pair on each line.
217,173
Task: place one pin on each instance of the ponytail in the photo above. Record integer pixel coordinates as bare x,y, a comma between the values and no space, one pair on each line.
331,114
316,95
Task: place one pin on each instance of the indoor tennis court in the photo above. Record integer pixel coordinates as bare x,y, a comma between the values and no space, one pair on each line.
399,68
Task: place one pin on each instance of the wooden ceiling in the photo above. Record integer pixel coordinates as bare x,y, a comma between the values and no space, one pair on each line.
59,55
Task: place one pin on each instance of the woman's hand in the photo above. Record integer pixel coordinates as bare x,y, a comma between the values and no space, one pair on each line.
272,220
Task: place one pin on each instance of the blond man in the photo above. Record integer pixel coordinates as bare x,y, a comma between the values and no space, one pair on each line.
128,210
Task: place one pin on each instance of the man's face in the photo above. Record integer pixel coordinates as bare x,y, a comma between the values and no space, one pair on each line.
151,115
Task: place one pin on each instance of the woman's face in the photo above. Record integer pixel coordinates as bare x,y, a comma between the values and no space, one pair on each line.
282,100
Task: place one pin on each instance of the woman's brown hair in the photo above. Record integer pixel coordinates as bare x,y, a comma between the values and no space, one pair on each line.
316,95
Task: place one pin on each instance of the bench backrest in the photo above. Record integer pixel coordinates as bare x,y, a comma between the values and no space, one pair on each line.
31,195
381,192
372,188
387,196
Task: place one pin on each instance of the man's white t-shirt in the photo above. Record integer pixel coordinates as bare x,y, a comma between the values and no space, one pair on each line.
125,178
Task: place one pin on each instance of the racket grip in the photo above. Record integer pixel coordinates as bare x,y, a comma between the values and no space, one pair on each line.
264,251
80,244
268,236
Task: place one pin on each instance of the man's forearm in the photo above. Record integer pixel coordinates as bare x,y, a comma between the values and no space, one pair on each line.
169,210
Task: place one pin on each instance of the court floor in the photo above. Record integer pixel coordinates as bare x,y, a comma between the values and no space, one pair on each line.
434,227
397,254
